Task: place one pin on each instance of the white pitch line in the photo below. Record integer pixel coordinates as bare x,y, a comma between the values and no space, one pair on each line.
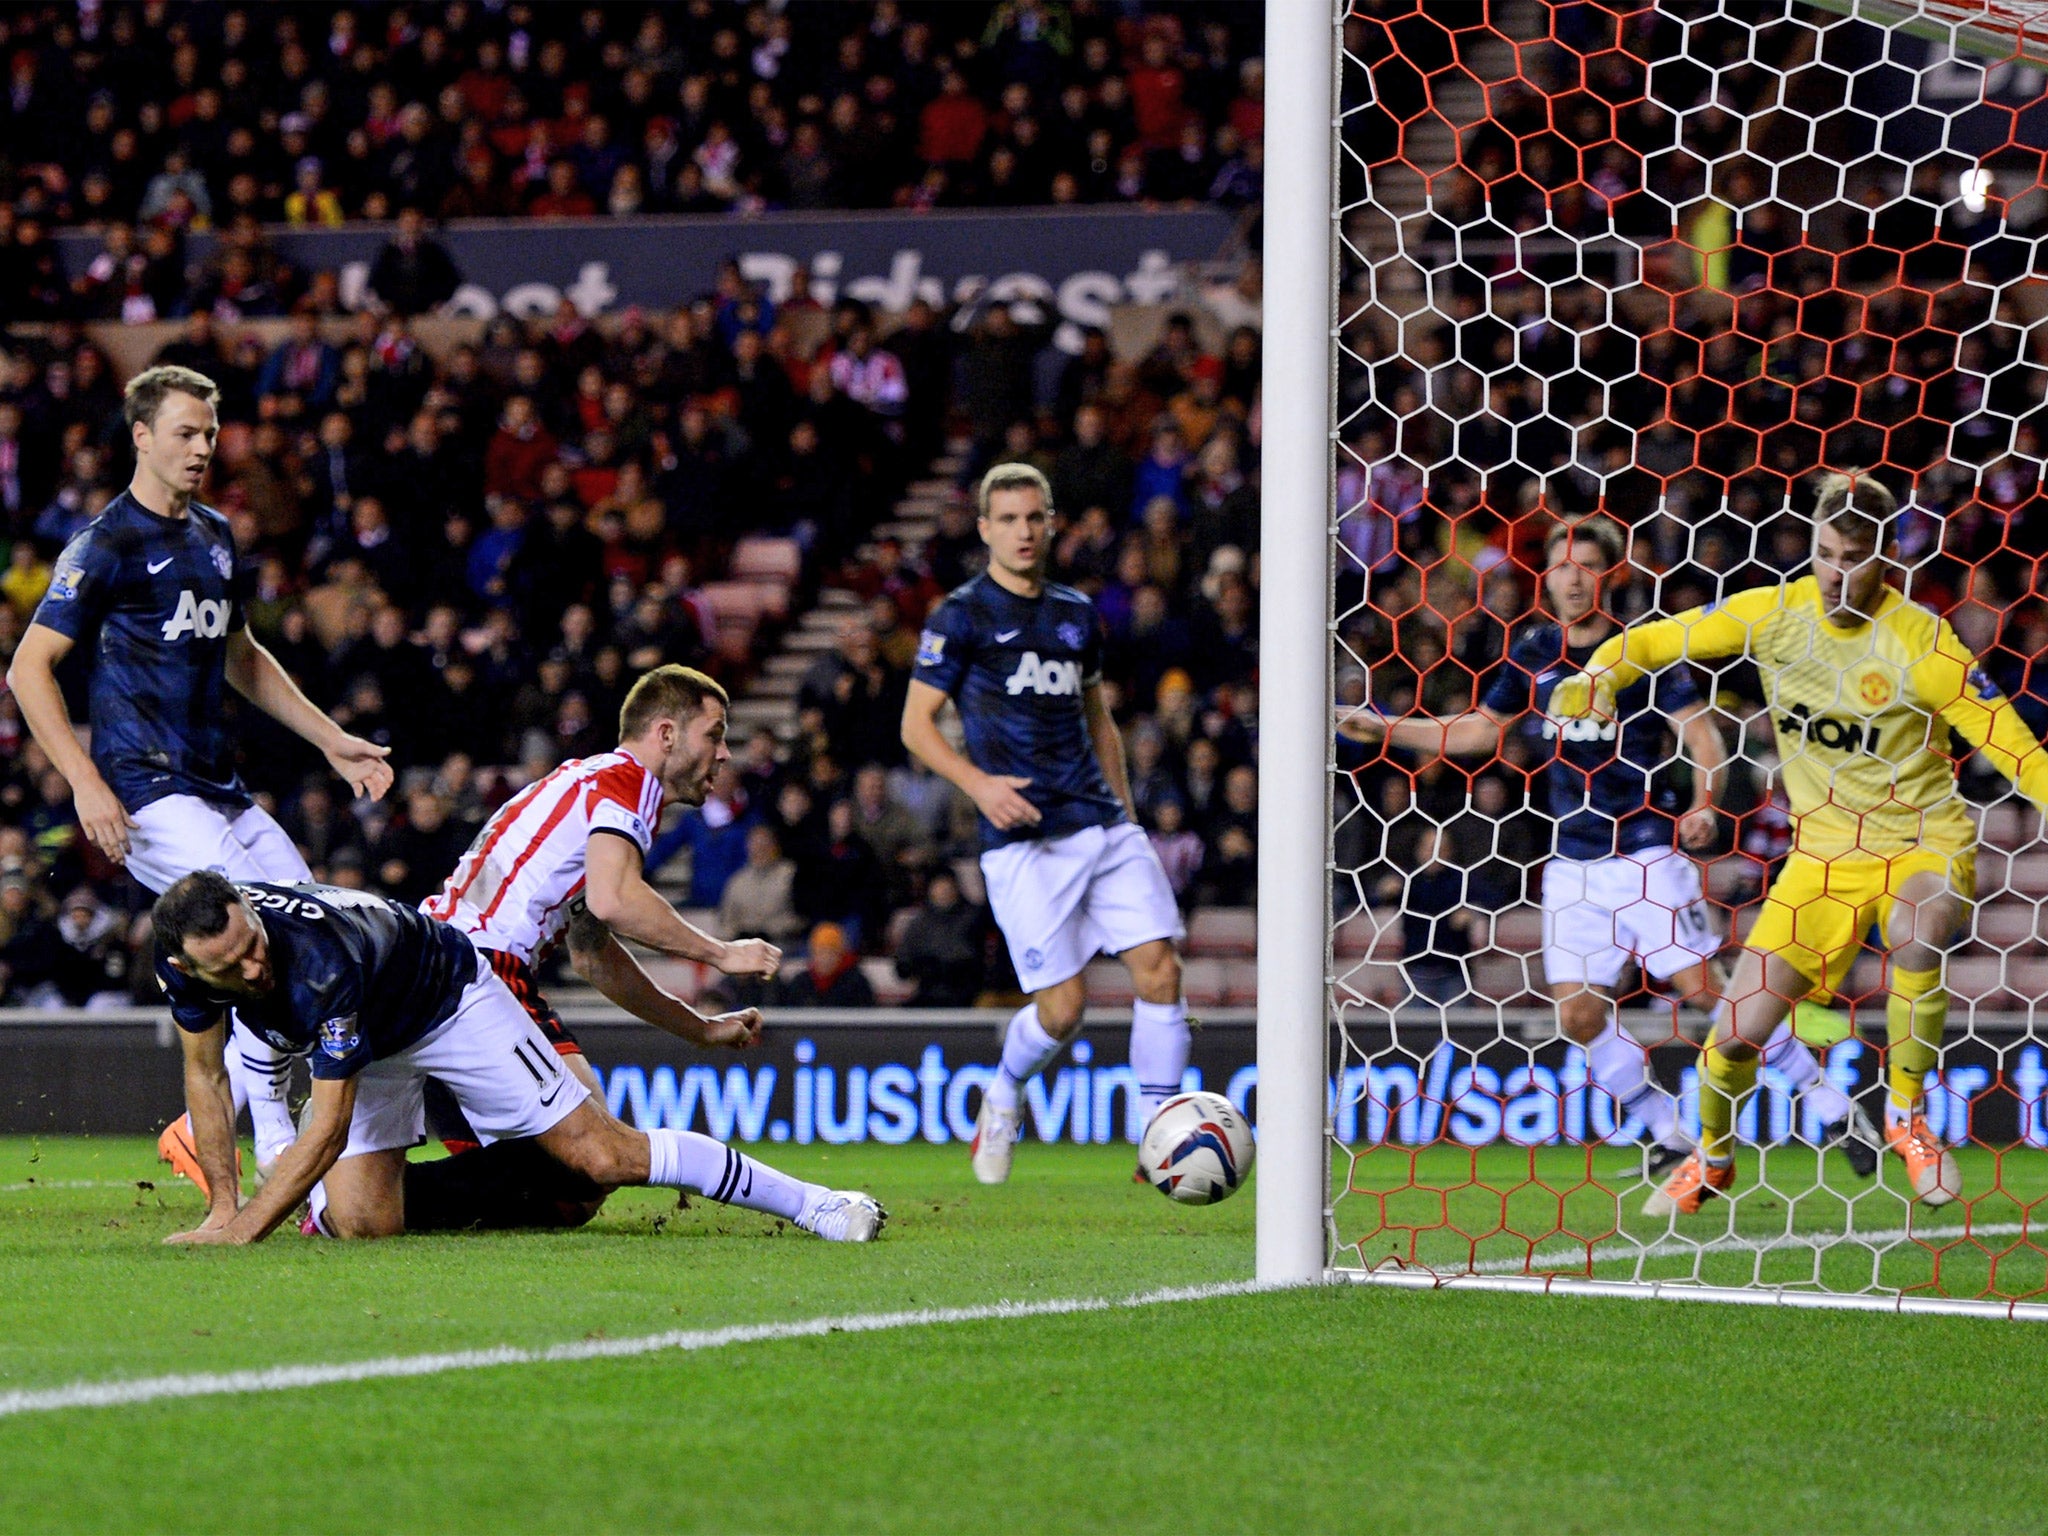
33,1184
1676,1247
289,1378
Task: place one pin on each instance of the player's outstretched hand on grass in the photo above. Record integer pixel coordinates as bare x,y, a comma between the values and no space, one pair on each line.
103,819
212,1231
999,798
362,764
751,957
1697,826
739,1030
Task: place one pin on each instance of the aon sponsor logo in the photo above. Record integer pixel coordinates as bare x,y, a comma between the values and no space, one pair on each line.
1579,730
1827,731
207,618
1035,676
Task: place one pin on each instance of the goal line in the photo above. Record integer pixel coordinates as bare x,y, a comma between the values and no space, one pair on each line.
1680,1290
293,1378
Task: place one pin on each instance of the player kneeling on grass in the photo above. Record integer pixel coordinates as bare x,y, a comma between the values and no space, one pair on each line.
1863,687
382,997
563,861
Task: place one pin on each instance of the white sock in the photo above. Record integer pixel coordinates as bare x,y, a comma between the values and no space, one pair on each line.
1027,1049
238,1078
258,1073
1620,1069
1159,1052
687,1160
1792,1059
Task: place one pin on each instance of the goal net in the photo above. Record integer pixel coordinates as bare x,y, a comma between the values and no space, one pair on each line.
1619,286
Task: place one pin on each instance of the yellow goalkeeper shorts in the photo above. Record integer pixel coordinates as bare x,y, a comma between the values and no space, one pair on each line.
1818,910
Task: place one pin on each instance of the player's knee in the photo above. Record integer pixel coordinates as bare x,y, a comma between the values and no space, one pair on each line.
1157,977
1939,922
362,1221
1060,1013
1582,1015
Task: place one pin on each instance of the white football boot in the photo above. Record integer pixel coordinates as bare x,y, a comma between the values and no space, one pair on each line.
844,1216
995,1141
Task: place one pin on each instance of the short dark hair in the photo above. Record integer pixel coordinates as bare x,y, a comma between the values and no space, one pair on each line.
670,692
147,391
1859,504
194,907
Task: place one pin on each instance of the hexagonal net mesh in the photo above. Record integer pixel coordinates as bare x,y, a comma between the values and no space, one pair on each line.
1691,652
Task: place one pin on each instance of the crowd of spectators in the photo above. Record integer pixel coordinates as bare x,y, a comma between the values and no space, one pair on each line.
470,555
1604,334
1153,461
144,122
468,550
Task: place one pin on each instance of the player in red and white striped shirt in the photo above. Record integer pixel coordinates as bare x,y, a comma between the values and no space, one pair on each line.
563,859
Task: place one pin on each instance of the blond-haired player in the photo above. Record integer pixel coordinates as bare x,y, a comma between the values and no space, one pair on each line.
1863,687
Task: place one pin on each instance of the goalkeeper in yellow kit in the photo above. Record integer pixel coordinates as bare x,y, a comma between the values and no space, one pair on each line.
1863,687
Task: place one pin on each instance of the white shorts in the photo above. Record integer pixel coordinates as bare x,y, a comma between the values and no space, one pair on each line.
1598,914
180,833
490,1055
1062,901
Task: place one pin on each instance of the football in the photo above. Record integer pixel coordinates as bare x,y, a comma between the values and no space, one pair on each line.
1197,1150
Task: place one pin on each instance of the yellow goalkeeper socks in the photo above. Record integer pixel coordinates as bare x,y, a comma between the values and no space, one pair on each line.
1723,1082
1915,1017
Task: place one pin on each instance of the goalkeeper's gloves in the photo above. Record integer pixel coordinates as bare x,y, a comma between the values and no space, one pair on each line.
1580,695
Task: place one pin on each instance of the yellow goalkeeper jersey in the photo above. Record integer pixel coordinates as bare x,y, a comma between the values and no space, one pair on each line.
1861,714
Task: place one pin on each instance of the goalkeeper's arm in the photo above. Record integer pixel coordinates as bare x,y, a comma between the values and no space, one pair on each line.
1953,686
1698,634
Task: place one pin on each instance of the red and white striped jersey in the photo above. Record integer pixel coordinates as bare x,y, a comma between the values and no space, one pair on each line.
512,890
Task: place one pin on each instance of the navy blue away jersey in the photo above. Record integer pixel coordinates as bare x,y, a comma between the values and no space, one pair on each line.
1607,782
151,601
1016,667
355,977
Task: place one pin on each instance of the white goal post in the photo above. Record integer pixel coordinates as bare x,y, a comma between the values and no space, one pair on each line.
1294,638
1476,326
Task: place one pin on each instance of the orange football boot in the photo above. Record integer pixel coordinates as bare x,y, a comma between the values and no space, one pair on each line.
177,1148
1930,1165
1694,1183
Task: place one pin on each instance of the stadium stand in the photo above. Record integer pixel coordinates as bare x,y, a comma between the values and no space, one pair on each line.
469,537
200,117
490,532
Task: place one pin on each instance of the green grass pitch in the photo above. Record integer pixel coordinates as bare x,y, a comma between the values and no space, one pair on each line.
1577,1211
1340,1409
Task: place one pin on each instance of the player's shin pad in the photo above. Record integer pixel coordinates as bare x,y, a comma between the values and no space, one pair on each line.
1916,1015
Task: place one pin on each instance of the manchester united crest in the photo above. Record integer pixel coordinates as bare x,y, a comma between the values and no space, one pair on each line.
1876,689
